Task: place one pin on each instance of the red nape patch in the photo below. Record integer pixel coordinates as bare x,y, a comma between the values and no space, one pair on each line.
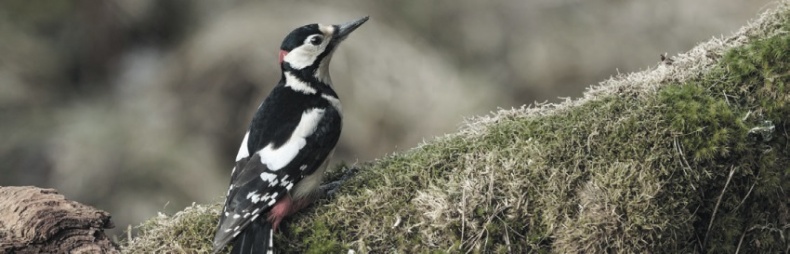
282,55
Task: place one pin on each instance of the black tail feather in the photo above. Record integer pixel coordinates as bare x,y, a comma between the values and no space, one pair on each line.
257,238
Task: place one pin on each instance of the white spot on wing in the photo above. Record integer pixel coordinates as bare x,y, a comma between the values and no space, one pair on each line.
243,151
254,197
268,177
278,158
266,197
297,84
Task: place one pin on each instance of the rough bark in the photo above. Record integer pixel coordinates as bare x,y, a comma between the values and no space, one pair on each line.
35,220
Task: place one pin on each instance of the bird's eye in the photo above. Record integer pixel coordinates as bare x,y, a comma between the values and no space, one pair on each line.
316,40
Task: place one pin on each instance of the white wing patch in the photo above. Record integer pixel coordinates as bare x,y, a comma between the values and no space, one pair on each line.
296,84
277,158
243,151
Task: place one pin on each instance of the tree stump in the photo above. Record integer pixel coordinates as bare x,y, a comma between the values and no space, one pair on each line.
35,220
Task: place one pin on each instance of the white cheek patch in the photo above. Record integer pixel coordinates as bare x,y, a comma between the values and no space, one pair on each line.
296,84
302,56
277,158
243,151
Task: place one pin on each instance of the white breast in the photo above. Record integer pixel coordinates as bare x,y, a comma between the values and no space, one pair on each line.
310,183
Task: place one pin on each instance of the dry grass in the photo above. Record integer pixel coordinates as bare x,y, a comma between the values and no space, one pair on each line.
690,156
188,231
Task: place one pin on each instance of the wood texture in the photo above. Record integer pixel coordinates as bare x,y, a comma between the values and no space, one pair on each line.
36,220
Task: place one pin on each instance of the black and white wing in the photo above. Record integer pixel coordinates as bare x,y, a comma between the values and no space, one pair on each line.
290,137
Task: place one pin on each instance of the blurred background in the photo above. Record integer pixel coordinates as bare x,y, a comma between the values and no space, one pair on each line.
138,106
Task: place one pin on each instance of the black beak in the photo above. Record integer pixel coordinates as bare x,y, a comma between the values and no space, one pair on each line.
343,30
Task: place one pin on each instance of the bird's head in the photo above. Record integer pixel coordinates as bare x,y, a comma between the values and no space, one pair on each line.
308,49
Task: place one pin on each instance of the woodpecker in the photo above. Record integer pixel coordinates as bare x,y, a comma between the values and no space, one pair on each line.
284,153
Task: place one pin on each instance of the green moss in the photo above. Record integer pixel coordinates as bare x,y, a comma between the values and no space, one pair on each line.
744,92
322,240
703,122
697,166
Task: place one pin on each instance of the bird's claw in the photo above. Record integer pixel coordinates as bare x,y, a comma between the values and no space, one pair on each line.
330,188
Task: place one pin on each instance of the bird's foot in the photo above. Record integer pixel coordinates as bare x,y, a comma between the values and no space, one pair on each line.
330,188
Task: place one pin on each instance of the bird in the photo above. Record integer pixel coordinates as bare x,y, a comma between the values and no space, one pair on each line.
285,151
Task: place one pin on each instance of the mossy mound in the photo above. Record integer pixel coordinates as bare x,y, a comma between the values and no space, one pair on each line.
690,156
